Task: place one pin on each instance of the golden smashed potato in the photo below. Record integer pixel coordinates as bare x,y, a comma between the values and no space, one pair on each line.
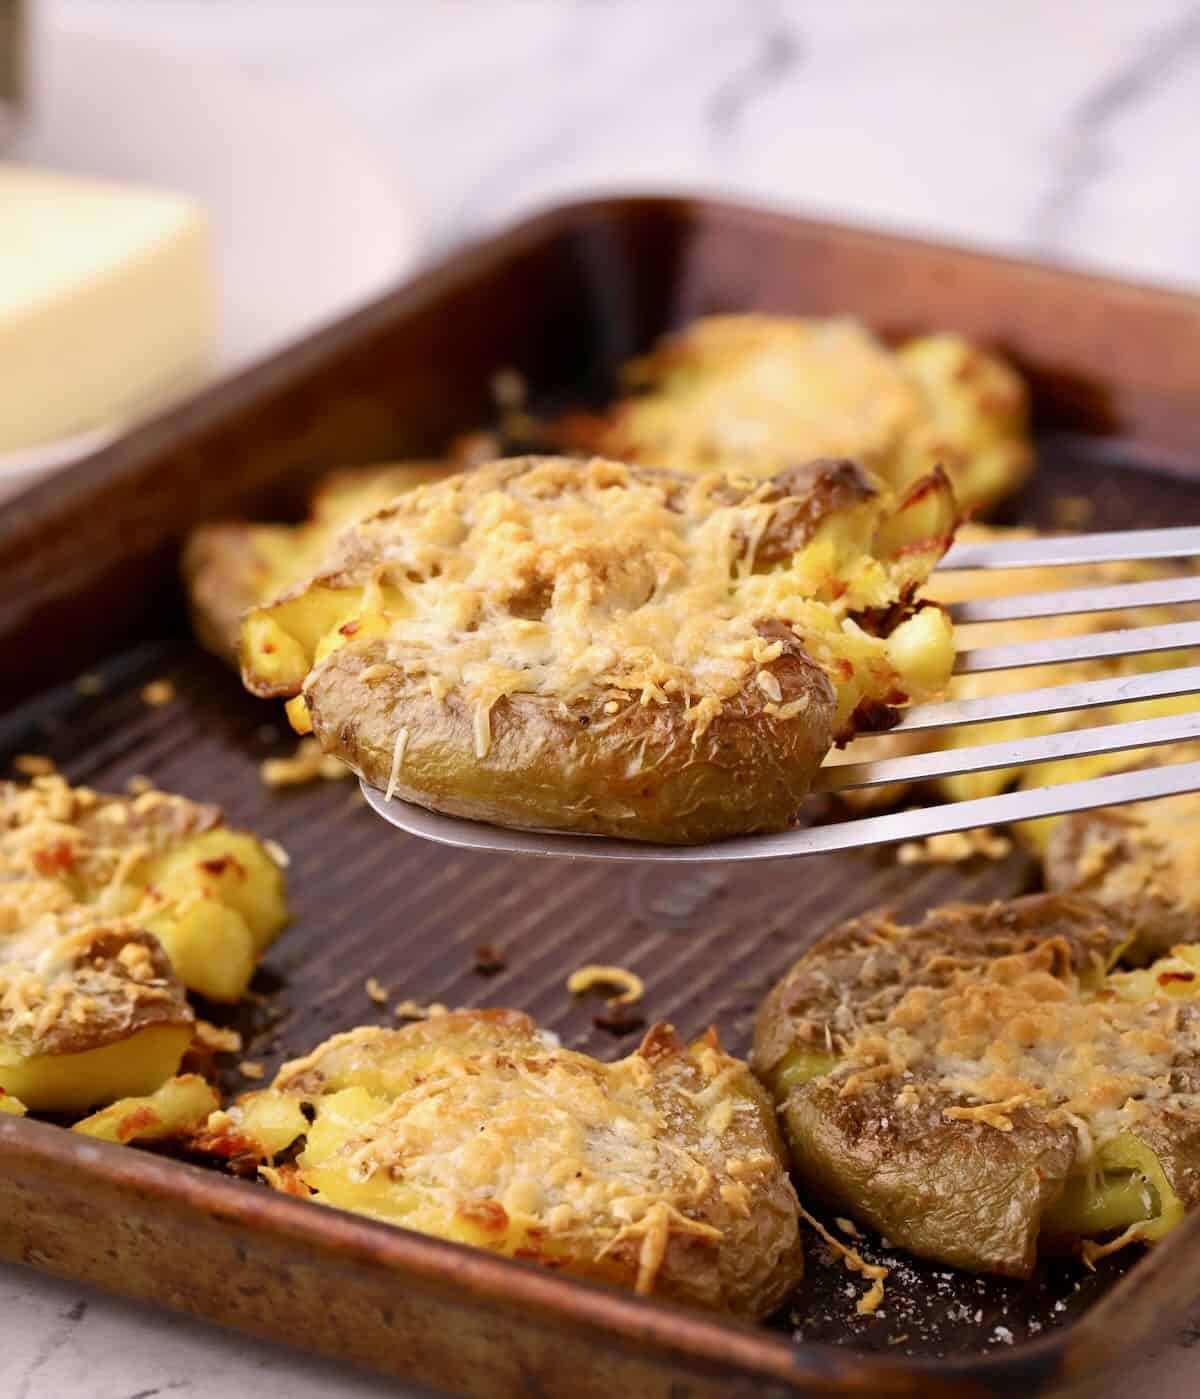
757,393
213,897
596,647
984,1083
1141,860
662,1172
230,567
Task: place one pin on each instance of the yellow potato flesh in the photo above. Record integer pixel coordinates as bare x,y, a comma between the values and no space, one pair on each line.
222,902
173,1109
75,1082
233,867
272,1121
1126,1185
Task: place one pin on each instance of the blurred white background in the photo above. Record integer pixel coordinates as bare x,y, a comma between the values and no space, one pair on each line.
1064,129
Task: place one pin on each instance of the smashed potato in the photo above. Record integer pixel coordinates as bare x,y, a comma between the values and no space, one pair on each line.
597,647
1141,860
757,393
230,567
983,1082
662,1172
213,897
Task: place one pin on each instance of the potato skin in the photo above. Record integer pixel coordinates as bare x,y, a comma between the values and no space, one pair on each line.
958,1192
636,774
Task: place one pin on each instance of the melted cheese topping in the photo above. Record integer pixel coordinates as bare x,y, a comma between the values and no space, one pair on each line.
744,390
754,392
475,1127
563,579
1018,1030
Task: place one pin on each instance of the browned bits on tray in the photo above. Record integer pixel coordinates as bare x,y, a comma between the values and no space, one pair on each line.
952,847
217,1039
33,765
488,961
623,1012
619,1019
158,693
413,1010
306,764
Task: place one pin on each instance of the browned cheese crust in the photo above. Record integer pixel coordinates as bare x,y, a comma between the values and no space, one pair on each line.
662,1172
947,1082
601,648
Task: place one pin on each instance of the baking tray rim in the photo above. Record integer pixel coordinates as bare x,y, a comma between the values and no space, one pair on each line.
701,1338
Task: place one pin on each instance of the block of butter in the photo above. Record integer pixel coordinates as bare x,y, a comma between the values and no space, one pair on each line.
107,303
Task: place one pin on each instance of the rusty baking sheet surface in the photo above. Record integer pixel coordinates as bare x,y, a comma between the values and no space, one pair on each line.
370,903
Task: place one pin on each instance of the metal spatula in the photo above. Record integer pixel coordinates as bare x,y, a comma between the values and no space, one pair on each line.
1112,790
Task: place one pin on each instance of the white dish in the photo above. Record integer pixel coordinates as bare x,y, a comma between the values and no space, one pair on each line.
306,220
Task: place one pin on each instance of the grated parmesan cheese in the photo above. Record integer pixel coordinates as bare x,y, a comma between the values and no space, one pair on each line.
397,759
631,986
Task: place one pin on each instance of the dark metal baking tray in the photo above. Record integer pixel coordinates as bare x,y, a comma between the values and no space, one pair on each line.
88,582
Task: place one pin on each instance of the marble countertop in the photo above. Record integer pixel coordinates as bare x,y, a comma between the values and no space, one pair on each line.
1063,131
